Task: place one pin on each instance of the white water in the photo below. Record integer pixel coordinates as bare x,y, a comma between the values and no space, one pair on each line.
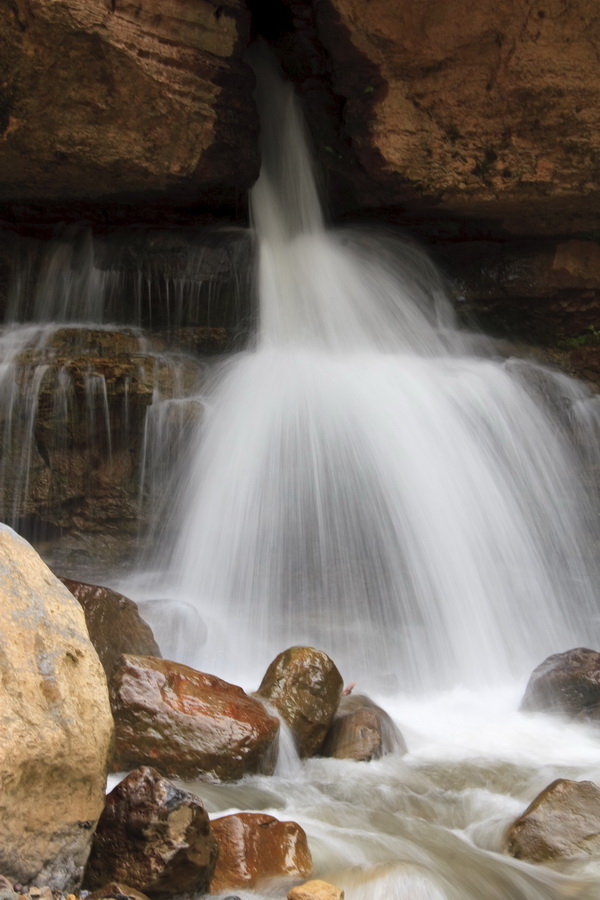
372,481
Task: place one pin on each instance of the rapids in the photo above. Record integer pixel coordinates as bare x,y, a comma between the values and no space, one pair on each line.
370,479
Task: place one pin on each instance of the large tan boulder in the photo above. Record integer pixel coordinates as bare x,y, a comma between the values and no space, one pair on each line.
254,847
305,687
487,109
188,724
56,724
562,823
100,100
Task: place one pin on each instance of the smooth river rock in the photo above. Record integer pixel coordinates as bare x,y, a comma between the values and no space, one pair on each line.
305,687
566,683
188,724
114,623
154,836
56,724
254,847
362,730
562,823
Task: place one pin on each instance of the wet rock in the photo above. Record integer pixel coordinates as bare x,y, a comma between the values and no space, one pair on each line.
305,687
566,683
253,847
56,724
316,890
143,103
562,823
362,730
155,836
188,723
114,623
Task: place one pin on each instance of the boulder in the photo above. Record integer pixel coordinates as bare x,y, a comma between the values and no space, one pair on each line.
316,890
566,683
562,823
254,847
305,687
56,724
114,623
154,836
187,723
103,100
362,730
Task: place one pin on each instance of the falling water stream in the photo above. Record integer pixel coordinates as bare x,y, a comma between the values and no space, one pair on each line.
373,481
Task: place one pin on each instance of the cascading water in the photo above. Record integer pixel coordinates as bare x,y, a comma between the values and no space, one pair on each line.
367,480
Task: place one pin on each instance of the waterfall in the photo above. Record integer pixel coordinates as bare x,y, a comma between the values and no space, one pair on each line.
372,480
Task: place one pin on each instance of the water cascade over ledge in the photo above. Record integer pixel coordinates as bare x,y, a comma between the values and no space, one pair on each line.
371,480
364,477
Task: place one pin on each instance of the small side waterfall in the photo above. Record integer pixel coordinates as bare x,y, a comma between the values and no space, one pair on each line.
371,480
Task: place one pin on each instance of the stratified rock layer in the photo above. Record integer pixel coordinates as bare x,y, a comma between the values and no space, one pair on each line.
154,836
253,847
487,109
55,721
562,823
188,724
103,99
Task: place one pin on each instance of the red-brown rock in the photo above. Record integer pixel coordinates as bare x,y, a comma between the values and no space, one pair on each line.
154,836
305,687
562,823
187,723
566,683
253,847
362,730
114,623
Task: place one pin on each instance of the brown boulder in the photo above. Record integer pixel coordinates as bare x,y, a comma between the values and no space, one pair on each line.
188,724
56,724
316,890
562,823
116,891
114,623
567,683
305,687
154,836
253,847
362,730
102,100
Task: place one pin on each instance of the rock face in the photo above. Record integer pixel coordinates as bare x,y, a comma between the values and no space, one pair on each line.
489,110
187,723
104,99
305,687
114,624
566,683
562,823
154,836
253,847
362,730
56,724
